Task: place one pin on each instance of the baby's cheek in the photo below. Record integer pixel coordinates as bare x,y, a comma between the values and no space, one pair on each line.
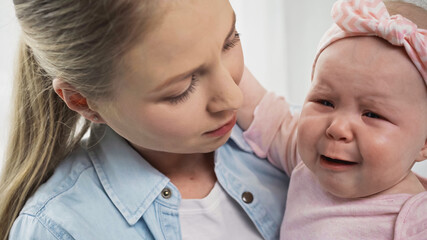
309,124
380,154
305,136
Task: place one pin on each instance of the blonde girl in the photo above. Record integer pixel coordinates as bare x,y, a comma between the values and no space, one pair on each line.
156,83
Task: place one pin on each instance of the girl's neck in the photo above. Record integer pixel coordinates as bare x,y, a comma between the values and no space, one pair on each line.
192,174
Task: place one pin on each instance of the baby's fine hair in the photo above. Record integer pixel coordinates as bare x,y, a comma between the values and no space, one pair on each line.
419,3
81,42
414,10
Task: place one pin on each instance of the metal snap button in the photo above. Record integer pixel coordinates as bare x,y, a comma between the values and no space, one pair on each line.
166,193
247,197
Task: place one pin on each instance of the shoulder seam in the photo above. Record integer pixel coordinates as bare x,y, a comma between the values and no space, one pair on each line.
53,234
60,192
43,224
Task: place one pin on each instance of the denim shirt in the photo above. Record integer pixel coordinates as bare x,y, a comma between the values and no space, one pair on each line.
106,190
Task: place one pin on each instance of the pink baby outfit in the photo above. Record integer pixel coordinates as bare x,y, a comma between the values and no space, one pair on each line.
312,213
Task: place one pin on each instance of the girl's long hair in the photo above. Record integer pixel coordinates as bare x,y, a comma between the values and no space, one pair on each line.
81,42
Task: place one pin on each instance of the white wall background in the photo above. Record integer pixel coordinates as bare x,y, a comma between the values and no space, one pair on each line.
279,39
9,30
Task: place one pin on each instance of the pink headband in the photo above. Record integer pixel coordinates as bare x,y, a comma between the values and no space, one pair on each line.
371,18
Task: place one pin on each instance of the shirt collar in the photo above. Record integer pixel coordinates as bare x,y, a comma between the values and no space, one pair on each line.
130,182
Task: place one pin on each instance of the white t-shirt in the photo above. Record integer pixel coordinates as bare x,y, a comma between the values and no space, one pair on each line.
217,216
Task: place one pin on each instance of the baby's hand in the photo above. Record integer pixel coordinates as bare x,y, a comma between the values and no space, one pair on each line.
252,95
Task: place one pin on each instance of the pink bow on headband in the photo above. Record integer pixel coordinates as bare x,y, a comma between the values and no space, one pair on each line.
371,18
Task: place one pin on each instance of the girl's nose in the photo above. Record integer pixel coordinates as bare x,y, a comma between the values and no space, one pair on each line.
225,94
340,129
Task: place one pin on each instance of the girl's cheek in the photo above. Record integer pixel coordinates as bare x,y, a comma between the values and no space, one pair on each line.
174,121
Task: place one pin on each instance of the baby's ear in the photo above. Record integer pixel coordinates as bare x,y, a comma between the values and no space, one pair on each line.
423,153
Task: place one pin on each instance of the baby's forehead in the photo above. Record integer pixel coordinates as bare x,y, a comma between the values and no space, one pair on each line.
372,49
368,50
374,63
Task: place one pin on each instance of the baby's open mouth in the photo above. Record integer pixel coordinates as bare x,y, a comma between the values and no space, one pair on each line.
337,161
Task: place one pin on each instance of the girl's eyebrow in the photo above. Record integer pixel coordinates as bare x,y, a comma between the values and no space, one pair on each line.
187,74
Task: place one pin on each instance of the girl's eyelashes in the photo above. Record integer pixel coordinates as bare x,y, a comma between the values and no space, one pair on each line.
184,96
231,43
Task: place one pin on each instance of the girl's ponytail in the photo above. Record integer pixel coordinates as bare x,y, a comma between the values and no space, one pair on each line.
83,43
43,131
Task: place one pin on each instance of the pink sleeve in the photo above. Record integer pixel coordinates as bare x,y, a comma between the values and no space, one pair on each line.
273,132
411,223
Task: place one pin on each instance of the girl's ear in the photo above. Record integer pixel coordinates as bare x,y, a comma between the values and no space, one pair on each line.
423,153
75,101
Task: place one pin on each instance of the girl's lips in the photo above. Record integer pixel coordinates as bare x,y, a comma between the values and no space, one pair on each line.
221,131
335,164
